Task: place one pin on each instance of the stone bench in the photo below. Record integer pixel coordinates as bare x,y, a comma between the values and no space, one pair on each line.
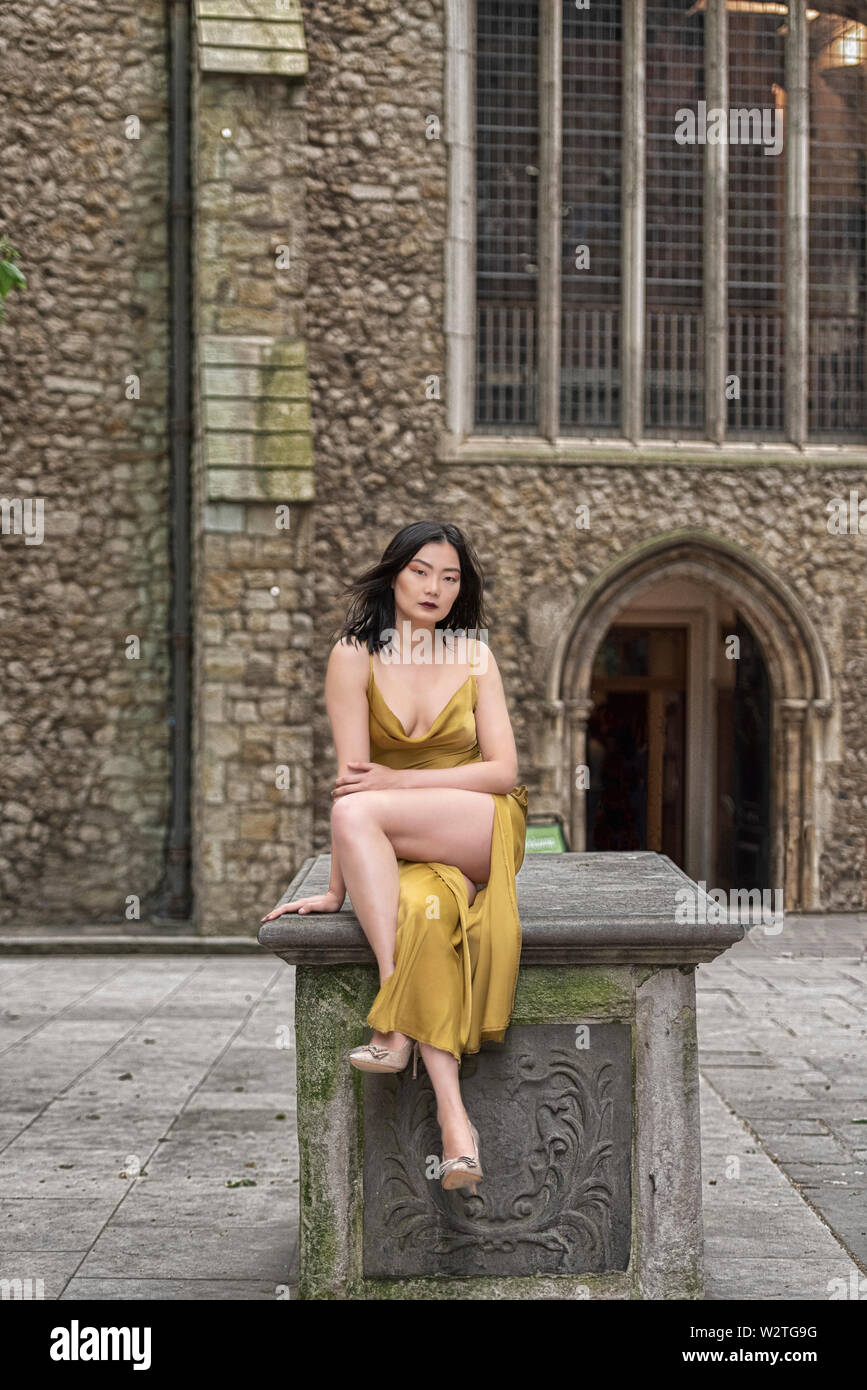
588,1113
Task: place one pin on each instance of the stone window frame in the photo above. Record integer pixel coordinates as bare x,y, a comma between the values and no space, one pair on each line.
457,442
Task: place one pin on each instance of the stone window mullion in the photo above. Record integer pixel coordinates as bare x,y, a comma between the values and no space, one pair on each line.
550,220
797,153
715,229
460,134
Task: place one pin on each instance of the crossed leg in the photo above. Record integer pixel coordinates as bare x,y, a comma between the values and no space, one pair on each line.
372,830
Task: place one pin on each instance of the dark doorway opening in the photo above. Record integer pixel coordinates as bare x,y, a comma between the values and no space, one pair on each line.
744,770
636,740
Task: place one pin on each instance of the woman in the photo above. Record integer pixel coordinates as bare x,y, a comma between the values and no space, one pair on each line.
427,825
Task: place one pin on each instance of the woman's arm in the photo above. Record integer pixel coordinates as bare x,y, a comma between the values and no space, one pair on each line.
348,711
336,884
472,777
346,702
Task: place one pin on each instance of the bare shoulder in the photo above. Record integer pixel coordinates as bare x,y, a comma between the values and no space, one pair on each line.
348,661
482,660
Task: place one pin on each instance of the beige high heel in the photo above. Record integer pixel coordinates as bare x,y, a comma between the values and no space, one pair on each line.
374,1057
465,1171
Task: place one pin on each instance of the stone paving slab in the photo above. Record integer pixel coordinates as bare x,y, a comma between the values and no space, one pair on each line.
166,1290
182,1250
137,1057
762,1242
53,1268
187,1063
162,1198
48,1223
803,1010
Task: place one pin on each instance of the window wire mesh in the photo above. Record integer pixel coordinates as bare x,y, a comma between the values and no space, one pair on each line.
674,318
756,225
507,180
591,218
507,189
836,228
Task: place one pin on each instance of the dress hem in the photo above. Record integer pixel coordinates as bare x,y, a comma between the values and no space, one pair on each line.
424,1042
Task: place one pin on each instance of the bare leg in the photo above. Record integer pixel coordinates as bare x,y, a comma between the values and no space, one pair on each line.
369,866
372,831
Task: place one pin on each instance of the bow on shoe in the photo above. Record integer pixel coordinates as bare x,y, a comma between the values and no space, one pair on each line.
465,1161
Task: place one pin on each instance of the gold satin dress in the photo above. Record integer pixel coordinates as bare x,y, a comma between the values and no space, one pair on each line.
456,965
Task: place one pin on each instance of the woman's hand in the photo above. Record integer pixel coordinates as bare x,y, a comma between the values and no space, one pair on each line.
368,777
325,902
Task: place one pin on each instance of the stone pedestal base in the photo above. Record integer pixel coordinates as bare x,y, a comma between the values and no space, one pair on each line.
588,1120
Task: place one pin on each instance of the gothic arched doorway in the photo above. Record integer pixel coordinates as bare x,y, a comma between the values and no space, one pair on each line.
711,724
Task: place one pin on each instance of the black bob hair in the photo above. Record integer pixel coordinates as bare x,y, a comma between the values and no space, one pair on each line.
371,613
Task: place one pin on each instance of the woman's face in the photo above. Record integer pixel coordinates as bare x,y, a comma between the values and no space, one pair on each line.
426,588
